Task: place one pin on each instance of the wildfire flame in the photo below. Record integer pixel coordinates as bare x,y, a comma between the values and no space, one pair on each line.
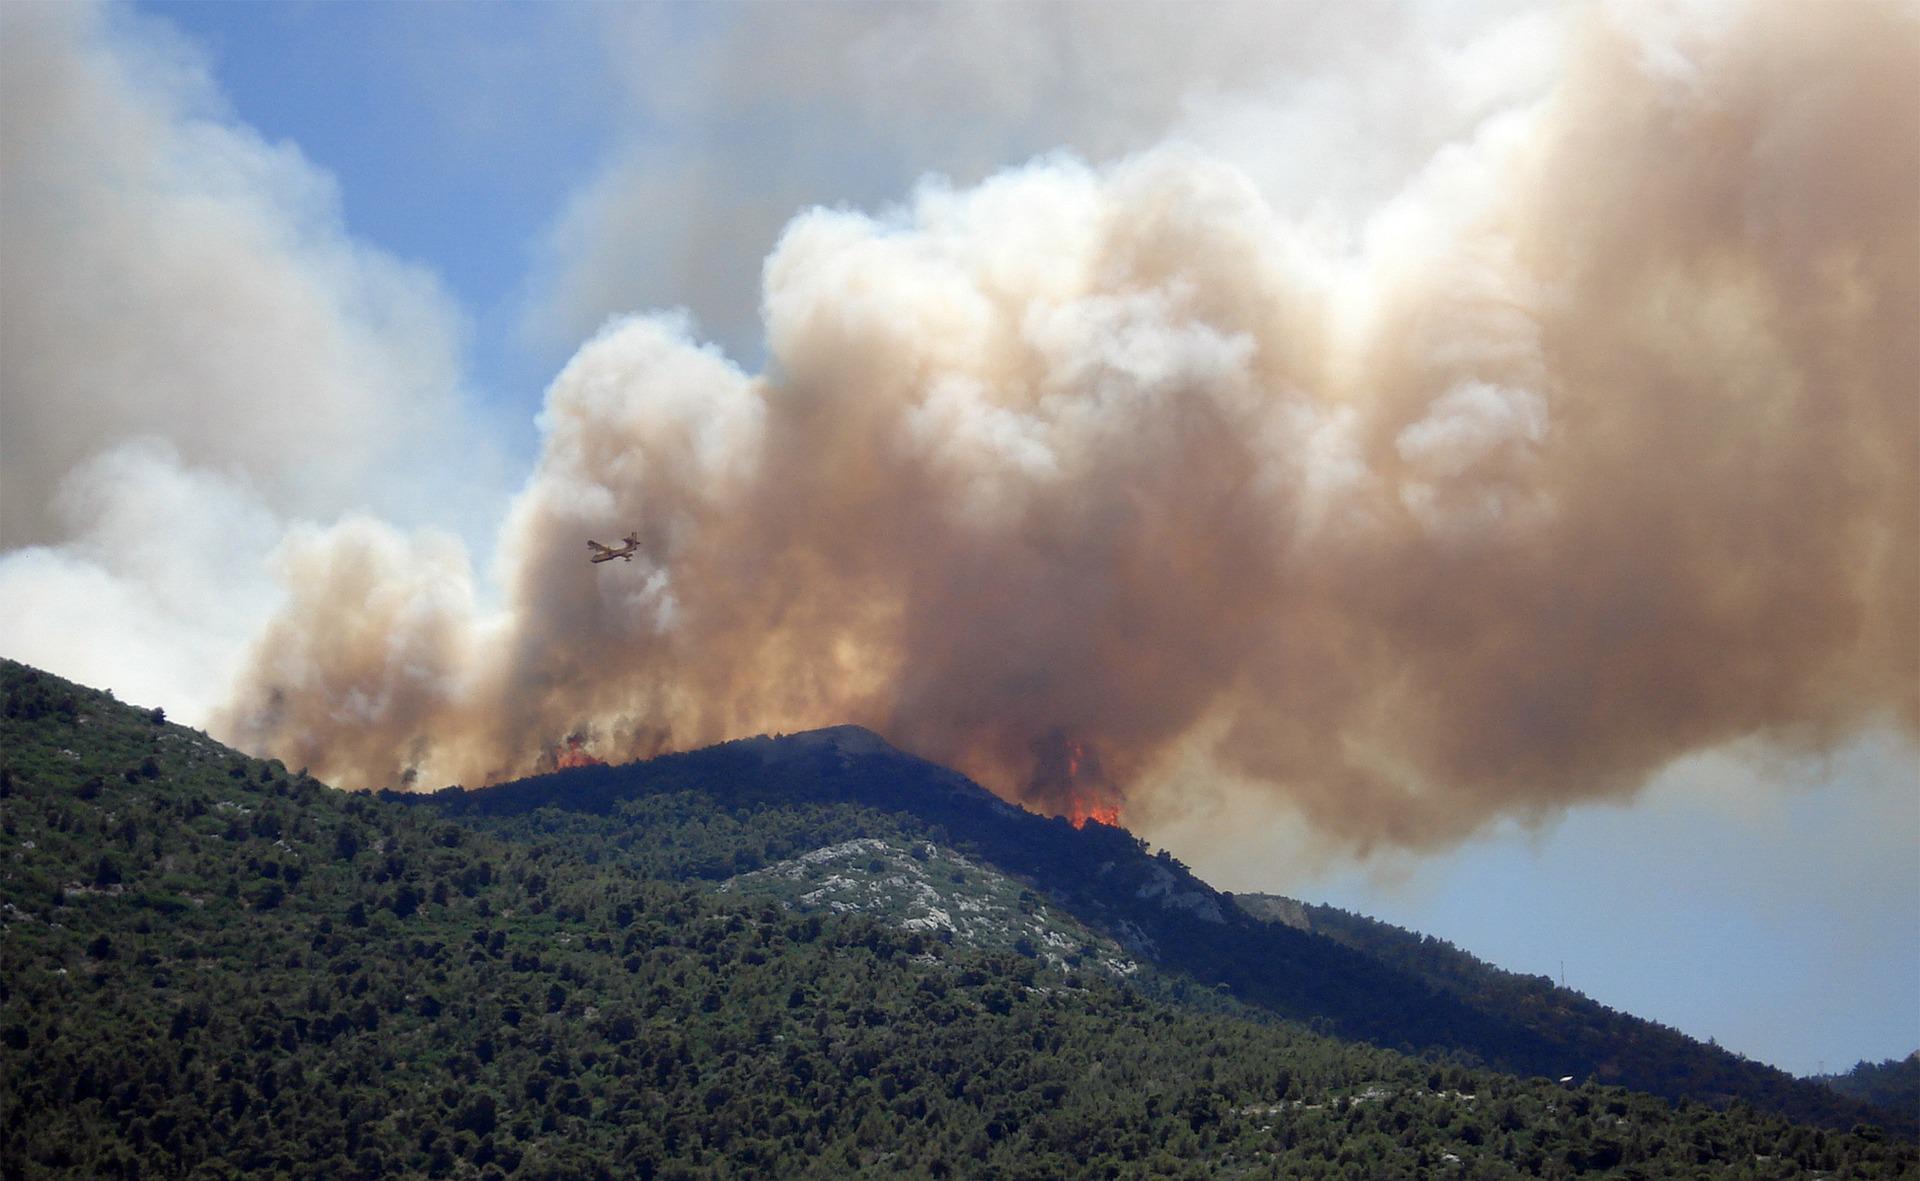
575,755
1079,811
1072,776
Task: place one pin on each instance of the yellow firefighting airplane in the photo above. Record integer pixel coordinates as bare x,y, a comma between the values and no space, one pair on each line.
603,553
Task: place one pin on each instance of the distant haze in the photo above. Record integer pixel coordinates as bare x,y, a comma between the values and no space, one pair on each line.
1591,445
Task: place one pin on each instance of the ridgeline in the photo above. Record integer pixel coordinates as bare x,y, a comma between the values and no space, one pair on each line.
737,967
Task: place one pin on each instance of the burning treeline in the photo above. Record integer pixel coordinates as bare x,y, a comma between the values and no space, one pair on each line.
1595,448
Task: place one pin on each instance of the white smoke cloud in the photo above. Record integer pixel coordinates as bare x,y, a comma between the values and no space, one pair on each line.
188,325
158,586
169,273
1326,109
1559,468
1418,416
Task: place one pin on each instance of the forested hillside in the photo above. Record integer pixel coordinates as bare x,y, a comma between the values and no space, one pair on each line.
711,814
1893,1085
1625,1045
214,967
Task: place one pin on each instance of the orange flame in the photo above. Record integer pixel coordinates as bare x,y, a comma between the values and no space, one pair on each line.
576,756
1066,770
1079,811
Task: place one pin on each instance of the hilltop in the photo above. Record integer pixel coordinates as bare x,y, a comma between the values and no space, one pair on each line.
703,815
216,966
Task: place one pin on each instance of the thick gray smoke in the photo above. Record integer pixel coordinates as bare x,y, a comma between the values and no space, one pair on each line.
1601,450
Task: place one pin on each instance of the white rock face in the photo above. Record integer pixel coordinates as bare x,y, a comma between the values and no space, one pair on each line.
933,890
1203,905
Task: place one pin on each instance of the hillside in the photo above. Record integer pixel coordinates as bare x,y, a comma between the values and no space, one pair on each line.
1893,1085
215,967
1644,1054
740,806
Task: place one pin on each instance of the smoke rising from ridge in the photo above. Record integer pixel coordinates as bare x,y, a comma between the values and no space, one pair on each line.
1601,451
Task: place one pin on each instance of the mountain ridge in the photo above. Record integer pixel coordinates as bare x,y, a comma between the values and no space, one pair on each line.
1160,910
216,966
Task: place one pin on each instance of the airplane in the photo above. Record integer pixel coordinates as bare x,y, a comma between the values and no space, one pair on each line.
602,553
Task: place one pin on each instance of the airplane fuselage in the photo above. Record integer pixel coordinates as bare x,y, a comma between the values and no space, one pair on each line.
603,553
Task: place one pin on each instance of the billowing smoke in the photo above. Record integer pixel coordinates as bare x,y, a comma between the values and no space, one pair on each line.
192,350
169,275
1598,450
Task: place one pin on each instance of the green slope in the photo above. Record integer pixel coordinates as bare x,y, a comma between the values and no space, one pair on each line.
1624,1047
213,967
710,814
1893,1085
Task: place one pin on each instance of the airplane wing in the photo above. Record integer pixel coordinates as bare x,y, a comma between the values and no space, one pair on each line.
605,553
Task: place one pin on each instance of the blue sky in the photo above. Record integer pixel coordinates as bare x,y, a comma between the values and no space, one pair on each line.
537,169
455,133
1773,930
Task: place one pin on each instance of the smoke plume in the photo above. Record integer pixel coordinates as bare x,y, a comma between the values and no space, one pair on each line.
192,350
171,275
1598,450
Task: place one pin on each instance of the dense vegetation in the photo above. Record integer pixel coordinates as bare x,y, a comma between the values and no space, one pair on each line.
1646,1054
1893,1085
729,809
214,967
